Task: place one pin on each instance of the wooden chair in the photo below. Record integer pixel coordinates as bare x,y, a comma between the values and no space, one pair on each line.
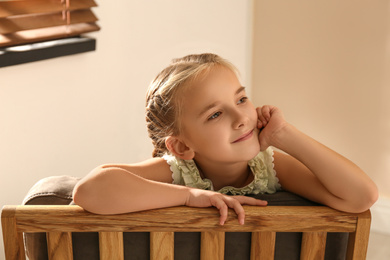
263,223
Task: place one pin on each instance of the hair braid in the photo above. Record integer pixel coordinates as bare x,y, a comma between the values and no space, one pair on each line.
159,123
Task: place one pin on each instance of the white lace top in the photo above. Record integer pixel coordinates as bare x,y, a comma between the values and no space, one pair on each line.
185,172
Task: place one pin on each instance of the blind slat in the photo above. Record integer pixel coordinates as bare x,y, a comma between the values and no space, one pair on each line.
44,34
20,7
29,22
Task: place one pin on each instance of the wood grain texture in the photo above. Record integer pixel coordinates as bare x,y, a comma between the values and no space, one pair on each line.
313,245
13,241
185,219
58,221
59,245
161,245
358,241
212,245
111,245
263,245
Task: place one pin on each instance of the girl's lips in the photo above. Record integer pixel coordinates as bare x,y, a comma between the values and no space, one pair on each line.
244,137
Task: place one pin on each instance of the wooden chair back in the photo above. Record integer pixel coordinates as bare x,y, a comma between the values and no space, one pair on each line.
60,221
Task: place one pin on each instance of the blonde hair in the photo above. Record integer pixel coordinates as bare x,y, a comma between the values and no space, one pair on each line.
162,102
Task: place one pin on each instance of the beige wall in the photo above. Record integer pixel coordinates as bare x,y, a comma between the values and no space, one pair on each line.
70,114
327,65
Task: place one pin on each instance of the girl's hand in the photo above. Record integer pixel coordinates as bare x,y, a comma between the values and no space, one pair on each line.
204,198
270,122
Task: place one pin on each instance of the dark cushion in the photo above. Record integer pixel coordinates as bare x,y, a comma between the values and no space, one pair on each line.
57,190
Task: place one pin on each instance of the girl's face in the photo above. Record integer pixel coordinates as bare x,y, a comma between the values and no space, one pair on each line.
218,122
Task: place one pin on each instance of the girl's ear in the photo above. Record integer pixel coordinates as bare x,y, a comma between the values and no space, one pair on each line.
178,148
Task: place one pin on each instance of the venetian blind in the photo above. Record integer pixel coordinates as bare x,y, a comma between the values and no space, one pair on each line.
27,21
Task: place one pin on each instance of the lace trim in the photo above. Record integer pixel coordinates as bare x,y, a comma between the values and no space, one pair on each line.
185,172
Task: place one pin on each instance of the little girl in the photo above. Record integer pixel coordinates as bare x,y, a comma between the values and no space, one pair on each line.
211,142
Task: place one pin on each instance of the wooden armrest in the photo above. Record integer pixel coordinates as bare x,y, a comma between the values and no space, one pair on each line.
72,218
312,220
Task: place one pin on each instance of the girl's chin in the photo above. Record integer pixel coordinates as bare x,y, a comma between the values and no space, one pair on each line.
254,151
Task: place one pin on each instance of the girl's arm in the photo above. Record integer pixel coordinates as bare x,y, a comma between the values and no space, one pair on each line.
312,170
115,189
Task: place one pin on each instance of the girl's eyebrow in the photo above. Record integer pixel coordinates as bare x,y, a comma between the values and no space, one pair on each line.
207,108
240,89
214,104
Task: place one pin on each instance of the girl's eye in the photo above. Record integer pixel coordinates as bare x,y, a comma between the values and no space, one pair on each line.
215,115
242,100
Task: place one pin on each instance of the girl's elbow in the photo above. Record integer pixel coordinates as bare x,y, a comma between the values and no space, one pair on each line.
365,202
85,199
86,196
81,196
102,190
372,196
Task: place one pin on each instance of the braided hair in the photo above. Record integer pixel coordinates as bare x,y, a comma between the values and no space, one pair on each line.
163,104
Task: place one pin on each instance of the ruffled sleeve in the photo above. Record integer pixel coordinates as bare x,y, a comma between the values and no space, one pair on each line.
263,168
185,172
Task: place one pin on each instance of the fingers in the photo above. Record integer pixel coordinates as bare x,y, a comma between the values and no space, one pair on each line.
261,121
250,201
264,114
224,202
222,206
236,205
223,212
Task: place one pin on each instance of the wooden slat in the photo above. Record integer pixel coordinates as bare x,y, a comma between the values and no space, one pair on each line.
313,245
212,245
13,241
263,245
45,34
111,245
161,245
59,245
358,241
29,22
10,8
185,219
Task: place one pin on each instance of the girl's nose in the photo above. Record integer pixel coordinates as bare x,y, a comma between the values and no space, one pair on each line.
240,119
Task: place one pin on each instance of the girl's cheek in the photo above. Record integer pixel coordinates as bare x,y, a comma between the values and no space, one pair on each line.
254,114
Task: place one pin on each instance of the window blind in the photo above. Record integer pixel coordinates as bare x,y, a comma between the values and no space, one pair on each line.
28,21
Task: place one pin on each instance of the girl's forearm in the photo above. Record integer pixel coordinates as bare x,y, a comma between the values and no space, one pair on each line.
115,191
340,176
